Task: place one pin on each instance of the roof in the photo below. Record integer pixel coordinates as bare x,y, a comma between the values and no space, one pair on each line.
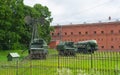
14,54
101,23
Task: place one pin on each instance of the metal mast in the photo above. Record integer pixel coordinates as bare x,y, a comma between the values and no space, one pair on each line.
35,34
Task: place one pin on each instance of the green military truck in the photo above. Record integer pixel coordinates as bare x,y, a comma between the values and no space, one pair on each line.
66,48
38,49
88,46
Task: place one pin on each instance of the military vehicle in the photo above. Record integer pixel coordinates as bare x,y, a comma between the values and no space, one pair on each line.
66,48
38,48
88,46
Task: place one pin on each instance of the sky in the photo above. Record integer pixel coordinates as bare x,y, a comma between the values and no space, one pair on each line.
80,11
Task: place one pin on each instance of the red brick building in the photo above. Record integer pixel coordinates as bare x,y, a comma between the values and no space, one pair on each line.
106,34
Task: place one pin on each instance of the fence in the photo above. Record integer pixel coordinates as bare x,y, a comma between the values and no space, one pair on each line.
99,63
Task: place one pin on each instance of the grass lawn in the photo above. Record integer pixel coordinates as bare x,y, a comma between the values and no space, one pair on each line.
3,54
99,63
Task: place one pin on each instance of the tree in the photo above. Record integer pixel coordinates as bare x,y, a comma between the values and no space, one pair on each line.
18,24
14,32
11,23
45,20
41,17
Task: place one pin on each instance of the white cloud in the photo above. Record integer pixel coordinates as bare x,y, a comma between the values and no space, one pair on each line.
78,11
56,9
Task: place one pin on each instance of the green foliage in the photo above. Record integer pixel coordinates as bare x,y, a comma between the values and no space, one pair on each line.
11,22
14,32
43,15
40,16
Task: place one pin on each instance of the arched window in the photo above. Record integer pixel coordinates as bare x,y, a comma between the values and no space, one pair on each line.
79,33
58,33
71,33
52,34
112,47
95,32
102,46
65,33
112,31
119,47
102,32
119,31
86,32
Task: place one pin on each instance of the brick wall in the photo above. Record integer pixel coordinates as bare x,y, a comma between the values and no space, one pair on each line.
106,34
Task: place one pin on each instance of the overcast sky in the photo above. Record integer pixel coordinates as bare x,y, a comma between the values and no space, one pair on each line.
80,11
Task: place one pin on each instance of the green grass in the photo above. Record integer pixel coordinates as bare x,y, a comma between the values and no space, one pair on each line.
103,63
3,54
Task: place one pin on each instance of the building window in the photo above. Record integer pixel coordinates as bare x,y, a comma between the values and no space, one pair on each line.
112,46
58,33
102,32
102,46
52,34
71,33
112,31
65,33
101,39
94,32
79,33
86,32
119,31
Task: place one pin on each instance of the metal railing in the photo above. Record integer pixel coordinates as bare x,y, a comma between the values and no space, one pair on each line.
98,63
